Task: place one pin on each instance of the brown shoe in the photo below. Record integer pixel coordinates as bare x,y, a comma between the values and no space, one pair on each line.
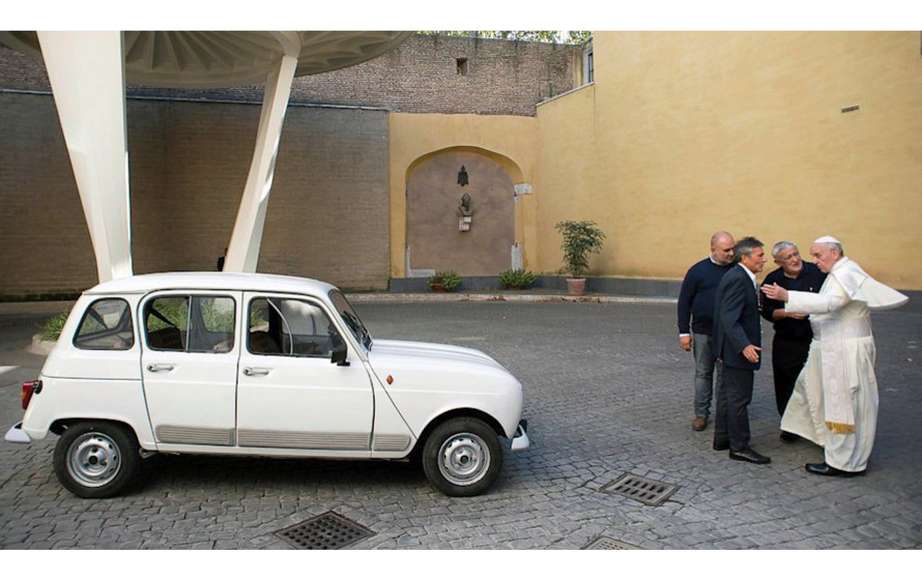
699,424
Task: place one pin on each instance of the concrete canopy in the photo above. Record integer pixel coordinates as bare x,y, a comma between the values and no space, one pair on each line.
223,59
88,72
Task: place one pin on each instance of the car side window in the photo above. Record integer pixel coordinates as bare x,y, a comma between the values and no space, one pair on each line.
197,323
289,327
106,325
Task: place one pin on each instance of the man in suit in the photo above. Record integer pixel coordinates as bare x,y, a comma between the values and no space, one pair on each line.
738,341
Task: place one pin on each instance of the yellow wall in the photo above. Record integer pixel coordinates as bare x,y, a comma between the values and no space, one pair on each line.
686,133
510,140
683,134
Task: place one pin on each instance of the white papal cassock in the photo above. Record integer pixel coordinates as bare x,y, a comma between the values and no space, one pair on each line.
834,403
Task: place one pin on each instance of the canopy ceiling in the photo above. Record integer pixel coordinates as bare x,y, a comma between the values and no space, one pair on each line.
222,59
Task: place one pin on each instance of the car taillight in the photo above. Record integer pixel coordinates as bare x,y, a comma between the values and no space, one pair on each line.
29,388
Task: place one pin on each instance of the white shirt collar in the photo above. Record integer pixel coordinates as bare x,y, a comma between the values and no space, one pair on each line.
751,275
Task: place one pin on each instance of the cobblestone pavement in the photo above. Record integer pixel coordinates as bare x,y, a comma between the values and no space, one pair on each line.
608,392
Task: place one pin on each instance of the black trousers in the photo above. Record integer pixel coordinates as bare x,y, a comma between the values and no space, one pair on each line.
788,359
733,398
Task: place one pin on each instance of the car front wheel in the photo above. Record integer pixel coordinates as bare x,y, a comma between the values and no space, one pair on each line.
96,459
462,456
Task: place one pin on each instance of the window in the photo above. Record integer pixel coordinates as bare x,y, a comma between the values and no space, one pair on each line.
588,65
106,325
461,66
190,324
352,320
288,327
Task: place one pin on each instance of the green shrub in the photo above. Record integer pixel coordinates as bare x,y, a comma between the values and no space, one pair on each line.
517,279
52,327
579,240
446,280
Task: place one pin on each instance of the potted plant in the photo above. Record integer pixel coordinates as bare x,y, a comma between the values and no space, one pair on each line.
580,238
516,279
444,281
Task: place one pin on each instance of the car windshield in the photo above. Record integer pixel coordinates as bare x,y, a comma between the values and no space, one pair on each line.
352,320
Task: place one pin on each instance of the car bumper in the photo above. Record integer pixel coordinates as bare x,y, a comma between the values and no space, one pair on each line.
520,441
16,435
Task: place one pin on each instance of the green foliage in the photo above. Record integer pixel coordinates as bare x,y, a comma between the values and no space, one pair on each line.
580,238
553,36
447,279
173,308
518,279
52,327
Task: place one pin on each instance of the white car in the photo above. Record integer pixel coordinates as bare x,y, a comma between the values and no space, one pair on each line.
259,365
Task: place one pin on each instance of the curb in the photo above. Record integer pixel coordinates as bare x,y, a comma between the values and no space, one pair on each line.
40,347
493,297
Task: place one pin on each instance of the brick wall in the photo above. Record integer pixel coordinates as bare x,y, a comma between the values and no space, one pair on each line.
504,77
327,217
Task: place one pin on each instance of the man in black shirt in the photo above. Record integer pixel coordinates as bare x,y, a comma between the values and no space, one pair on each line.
696,314
792,331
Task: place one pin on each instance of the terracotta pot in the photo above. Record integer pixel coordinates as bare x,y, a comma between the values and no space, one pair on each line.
576,286
438,288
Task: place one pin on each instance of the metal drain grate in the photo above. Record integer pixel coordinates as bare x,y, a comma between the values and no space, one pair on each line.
606,543
649,492
329,531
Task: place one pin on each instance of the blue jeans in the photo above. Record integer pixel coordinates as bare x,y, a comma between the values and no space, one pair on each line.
702,348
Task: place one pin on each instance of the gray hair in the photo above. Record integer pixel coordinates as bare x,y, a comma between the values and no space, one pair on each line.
837,246
745,247
780,247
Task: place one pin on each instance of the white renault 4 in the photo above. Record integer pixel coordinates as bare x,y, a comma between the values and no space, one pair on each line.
259,365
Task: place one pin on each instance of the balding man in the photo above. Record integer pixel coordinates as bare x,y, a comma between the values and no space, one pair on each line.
834,403
696,319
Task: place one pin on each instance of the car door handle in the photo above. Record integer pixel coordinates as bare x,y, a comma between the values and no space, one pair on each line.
159,367
256,371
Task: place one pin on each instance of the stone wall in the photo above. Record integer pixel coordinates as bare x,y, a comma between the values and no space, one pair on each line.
327,218
503,77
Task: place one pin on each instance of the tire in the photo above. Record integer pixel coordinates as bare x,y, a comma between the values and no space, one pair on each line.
96,459
462,457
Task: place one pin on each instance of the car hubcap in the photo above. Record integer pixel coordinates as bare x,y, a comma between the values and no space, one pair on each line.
93,459
464,459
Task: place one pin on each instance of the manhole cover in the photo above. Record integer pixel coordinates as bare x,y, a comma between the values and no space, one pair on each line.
328,531
606,543
649,492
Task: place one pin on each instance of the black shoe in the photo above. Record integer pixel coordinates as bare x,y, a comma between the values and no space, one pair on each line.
824,469
749,455
721,445
788,437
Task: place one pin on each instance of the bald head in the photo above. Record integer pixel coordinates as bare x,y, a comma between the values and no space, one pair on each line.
722,247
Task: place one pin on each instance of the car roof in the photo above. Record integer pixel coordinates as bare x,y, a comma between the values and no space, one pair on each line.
254,282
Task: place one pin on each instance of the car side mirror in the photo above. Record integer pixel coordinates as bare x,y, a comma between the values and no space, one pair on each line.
340,351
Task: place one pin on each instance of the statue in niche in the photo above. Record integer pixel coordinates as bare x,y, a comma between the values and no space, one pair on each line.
466,212
462,176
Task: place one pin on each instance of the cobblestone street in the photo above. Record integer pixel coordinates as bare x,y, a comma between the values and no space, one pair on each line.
607,392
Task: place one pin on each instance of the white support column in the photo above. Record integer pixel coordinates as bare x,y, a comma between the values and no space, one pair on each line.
243,251
87,74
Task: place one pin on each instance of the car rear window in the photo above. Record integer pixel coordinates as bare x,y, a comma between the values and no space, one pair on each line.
106,325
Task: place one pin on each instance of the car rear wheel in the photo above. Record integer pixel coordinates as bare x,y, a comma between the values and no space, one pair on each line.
96,459
462,456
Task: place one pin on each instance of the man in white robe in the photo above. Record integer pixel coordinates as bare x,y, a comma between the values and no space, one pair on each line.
834,403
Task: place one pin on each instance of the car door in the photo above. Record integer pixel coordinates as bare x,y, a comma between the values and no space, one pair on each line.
290,394
189,365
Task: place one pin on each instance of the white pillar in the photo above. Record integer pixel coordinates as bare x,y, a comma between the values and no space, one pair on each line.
87,74
243,251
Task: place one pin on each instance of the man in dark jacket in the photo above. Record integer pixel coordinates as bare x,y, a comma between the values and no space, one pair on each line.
793,334
696,313
738,342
